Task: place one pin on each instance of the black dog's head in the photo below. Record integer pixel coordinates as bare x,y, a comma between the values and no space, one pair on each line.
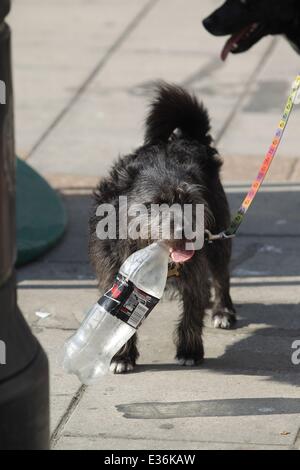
170,188
248,21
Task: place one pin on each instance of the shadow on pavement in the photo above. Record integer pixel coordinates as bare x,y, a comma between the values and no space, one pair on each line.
211,408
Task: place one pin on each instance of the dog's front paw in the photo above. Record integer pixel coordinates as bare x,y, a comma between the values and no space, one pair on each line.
190,360
188,354
187,362
224,320
121,367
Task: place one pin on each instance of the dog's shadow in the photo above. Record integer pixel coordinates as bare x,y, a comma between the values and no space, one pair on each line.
261,344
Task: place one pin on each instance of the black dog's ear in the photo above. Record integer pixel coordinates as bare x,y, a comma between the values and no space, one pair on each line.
124,173
293,37
120,180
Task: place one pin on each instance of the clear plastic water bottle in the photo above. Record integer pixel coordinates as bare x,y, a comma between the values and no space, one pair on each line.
112,321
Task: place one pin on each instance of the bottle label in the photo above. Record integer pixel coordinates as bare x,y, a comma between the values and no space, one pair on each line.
128,303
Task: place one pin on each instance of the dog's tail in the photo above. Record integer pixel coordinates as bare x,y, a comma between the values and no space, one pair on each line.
174,108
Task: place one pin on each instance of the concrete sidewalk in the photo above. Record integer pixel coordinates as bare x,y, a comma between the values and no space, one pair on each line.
82,79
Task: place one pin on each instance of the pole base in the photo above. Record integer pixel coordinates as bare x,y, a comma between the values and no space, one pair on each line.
24,380
24,407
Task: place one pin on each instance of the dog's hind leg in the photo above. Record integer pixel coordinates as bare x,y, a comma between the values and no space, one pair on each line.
223,312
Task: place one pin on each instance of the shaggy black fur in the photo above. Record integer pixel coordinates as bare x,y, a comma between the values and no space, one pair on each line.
183,168
272,16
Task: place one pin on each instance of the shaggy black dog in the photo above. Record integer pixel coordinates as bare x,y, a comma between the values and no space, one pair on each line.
248,21
172,167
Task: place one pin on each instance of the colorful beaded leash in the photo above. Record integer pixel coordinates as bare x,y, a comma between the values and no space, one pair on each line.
239,217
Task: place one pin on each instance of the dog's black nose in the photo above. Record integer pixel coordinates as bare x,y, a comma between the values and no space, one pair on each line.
208,23
213,25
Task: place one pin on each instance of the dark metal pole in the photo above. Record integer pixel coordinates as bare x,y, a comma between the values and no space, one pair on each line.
24,384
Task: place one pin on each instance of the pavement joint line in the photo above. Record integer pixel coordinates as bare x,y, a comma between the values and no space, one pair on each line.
57,286
242,284
263,189
267,374
269,235
241,331
76,191
76,188
67,415
179,52
264,278
296,444
265,284
209,67
89,79
282,184
230,187
141,438
238,332
70,277
236,281
260,65
64,261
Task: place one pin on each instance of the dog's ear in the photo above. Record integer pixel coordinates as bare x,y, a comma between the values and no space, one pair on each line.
125,172
120,181
293,37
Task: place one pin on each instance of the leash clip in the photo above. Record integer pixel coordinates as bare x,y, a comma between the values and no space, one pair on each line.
210,238
174,269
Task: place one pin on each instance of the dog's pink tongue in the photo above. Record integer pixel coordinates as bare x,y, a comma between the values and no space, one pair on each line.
227,48
234,40
181,256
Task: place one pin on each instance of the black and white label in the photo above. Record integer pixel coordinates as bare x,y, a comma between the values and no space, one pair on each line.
127,302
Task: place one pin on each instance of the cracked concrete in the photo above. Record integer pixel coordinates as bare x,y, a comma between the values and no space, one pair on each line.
246,393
